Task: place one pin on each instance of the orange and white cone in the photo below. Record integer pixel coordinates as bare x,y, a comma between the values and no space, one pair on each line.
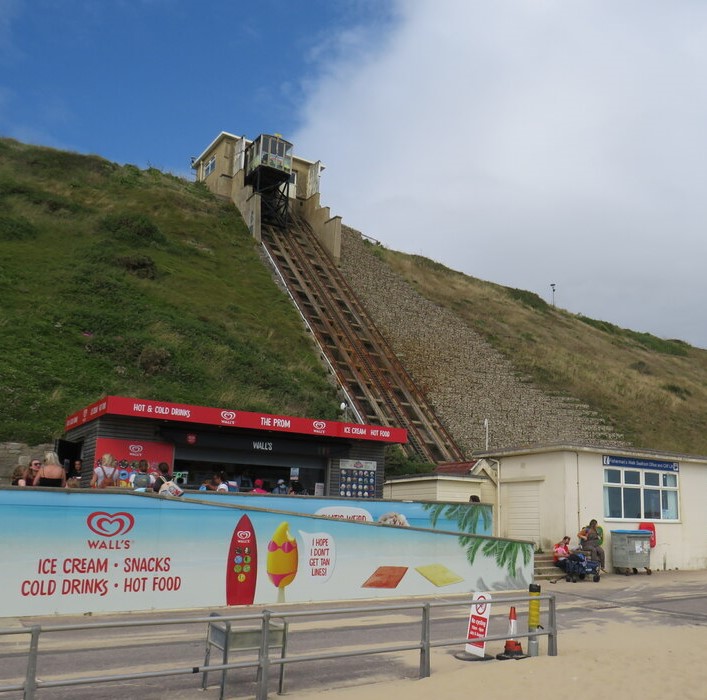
513,648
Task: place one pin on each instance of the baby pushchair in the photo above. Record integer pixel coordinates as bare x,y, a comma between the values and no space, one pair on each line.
577,566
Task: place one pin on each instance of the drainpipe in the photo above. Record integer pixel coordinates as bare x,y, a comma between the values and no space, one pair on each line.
576,476
498,496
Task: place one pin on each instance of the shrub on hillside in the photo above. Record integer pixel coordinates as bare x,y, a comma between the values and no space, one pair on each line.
17,228
153,360
139,265
136,229
528,298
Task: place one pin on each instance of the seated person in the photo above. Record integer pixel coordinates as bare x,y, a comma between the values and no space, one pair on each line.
218,482
561,553
590,539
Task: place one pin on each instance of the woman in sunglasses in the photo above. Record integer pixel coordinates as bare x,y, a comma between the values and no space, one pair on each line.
51,472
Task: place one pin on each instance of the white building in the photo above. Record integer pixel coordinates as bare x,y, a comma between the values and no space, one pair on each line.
551,490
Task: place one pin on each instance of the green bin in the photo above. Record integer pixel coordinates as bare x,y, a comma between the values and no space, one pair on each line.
631,550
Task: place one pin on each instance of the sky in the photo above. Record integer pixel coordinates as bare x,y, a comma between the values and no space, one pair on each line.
529,143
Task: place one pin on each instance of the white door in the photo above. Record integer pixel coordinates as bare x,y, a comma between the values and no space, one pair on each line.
520,510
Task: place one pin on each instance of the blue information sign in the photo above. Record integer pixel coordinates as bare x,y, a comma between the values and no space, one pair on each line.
614,461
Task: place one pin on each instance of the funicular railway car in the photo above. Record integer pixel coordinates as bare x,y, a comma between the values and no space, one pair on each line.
271,152
268,169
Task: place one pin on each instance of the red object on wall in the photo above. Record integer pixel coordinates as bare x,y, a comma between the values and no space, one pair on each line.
186,413
242,564
134,450
651,527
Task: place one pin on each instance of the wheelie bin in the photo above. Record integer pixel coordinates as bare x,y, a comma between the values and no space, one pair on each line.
631,550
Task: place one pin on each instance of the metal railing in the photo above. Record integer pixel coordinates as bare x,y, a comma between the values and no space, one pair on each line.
264,661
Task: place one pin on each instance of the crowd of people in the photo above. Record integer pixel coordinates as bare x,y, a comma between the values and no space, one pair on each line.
220,482
109,472
46,472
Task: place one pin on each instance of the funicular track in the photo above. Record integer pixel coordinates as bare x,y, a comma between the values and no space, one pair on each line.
381,389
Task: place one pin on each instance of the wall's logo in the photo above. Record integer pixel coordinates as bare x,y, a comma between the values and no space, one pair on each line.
319,424
228,417
244,534
135,450
110,524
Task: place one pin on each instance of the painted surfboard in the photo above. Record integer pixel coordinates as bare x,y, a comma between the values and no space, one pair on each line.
242,564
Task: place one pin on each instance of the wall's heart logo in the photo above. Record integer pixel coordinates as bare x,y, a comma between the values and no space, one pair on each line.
110,524
228,415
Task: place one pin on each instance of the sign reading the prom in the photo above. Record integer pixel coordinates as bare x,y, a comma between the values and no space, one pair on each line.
231,417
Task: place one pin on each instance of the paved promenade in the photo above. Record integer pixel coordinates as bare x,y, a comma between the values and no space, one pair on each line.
636,634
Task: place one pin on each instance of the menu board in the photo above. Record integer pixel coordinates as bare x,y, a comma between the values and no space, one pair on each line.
357,478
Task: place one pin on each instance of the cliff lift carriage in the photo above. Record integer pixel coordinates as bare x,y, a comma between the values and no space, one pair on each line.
268,167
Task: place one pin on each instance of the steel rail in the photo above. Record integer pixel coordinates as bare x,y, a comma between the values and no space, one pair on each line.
382,388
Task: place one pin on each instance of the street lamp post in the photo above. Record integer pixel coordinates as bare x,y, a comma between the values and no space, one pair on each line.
552,286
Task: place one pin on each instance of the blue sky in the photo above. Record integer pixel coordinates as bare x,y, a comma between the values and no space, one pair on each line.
524,142
152,82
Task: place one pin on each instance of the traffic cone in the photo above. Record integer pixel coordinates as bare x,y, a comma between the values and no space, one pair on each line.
513,648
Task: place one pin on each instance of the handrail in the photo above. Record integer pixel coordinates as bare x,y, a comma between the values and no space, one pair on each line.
32,684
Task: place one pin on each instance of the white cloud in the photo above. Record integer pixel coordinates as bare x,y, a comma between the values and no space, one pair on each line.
529,142
9,10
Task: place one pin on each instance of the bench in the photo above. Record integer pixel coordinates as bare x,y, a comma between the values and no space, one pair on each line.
223,636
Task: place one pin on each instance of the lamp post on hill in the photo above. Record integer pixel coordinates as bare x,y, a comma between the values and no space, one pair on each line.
552,286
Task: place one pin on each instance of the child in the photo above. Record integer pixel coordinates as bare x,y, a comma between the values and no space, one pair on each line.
561,552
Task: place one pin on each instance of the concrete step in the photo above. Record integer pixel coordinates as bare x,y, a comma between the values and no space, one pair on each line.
544,569
547,569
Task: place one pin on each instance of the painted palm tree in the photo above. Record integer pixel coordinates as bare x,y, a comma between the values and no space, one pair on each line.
507,553
467,517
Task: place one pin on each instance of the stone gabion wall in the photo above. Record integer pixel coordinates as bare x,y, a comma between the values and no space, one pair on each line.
14,453
464,377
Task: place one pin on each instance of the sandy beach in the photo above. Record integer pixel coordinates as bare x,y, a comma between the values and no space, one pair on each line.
618,651
601,660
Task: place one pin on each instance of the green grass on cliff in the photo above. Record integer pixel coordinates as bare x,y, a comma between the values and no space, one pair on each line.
652,390
116,280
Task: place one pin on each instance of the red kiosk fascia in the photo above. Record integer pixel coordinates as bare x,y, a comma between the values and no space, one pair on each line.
143,423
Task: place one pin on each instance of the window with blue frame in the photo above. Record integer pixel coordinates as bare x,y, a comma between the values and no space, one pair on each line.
640,494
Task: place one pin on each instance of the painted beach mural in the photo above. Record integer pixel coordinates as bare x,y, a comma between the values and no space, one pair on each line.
473,518
102,551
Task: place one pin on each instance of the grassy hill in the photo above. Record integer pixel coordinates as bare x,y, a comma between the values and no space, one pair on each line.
116,280
654,391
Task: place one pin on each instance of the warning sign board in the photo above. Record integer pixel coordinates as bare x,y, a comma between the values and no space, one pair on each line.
478,624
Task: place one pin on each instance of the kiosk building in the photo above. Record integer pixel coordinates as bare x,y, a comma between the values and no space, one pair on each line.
319,456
